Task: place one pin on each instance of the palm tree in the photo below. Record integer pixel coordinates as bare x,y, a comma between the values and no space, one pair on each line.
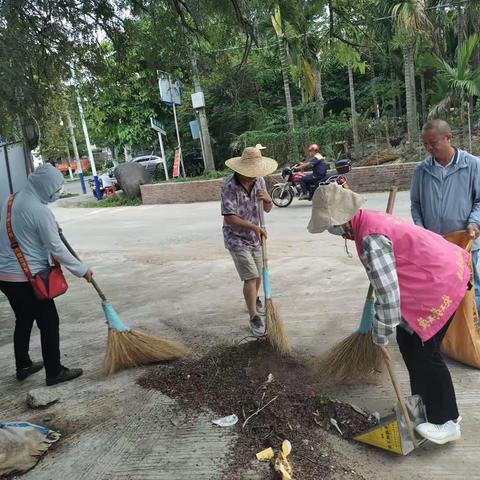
350,58
282,48
411,20
458,83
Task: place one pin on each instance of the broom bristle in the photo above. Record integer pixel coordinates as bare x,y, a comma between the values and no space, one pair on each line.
275,329
352,360
135,348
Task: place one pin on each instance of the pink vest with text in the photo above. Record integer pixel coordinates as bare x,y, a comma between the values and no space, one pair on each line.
432,273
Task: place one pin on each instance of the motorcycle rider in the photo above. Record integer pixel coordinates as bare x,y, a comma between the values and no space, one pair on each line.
316,163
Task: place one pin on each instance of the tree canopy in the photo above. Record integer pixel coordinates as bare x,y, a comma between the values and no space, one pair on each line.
281,72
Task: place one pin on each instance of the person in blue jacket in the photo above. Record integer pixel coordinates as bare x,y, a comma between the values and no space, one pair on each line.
36,231
445,189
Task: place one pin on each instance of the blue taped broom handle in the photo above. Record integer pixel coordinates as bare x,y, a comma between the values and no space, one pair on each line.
265,274
72,251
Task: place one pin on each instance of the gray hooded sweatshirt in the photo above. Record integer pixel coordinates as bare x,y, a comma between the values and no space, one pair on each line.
35,228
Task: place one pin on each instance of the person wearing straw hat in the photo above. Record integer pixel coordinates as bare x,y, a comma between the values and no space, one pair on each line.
414,291
241,231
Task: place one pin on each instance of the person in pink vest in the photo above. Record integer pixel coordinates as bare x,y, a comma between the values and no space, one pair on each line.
419,280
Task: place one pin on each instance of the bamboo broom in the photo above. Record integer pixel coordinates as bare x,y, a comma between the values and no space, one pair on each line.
126,347
356,357
276,334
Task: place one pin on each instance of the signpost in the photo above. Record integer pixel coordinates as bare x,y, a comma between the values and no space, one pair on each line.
170,94
176,162
160,129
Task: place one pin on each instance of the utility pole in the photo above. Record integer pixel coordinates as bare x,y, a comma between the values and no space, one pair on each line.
203,122
98,192
75,152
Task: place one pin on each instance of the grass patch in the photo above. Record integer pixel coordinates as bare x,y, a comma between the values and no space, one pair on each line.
115,201
68,195
205,176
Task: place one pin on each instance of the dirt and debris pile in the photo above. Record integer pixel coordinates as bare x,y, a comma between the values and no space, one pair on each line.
272,398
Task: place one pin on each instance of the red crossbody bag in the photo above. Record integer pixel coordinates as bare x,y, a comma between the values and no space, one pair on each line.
47,284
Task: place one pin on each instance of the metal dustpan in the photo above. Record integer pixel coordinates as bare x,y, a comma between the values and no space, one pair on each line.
392,432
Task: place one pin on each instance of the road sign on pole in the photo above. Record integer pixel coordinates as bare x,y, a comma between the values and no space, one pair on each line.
170,91
170,94
157,125
160,129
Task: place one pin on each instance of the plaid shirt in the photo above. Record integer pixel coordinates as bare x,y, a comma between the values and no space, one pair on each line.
236,200
379,261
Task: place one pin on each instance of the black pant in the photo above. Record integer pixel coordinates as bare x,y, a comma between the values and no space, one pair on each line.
27,309
306,181
429,375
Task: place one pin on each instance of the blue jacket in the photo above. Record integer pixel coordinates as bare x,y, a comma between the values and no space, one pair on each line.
447,200
35,228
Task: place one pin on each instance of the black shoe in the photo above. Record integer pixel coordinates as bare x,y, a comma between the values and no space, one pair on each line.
259,305
23,373
65,375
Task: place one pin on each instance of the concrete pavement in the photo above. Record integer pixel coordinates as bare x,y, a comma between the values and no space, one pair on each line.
165,270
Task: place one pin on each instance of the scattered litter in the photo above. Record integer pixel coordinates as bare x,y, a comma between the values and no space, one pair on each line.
265,455
282,465
376,416
229,421
335,424
359,410
236,384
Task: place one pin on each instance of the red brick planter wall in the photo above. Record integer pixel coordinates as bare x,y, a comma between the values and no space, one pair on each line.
361,179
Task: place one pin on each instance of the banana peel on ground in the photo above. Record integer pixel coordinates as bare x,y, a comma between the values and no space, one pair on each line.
279,460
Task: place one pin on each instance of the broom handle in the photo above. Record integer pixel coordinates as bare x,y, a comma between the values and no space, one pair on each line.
72,251
390,203
264,240
391,199
406,415
393,378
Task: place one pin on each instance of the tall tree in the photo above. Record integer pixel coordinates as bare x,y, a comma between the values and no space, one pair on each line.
411,20
277,23
458,83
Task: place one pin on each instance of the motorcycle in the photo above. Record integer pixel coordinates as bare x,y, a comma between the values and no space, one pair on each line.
283,193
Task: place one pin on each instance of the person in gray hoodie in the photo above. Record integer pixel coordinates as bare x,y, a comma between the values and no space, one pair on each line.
445,190
36,232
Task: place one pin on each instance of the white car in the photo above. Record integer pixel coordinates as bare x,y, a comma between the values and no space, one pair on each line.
151,162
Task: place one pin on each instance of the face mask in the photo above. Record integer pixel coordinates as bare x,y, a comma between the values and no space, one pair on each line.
55,196
336,230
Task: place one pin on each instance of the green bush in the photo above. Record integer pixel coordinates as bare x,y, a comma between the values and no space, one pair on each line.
205,176
115,201
326,134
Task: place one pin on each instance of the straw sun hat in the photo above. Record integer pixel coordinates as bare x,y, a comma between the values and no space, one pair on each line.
252,164
333,205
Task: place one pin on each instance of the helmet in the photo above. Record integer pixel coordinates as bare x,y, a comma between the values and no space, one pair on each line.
314,146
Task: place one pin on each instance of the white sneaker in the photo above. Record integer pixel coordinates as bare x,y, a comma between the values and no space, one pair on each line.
440,434
257,326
